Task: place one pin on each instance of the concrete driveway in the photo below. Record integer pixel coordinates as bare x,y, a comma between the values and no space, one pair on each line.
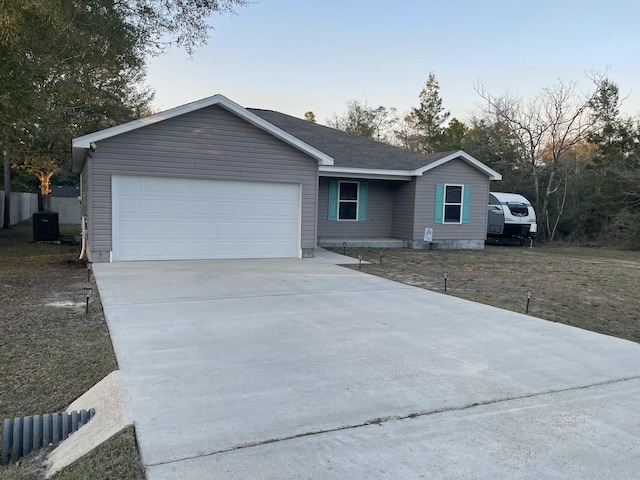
300,369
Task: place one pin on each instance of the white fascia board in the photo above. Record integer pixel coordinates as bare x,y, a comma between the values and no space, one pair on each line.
85,141
371,173
493,175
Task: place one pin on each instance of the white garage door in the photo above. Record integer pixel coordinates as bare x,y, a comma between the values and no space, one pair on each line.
156,218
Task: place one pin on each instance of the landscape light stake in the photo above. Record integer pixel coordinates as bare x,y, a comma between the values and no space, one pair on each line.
380,257
344,248
529,294
444,274
88,271
359,262
87,293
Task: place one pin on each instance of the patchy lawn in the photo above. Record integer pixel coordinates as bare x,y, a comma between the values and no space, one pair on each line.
50,351
590,288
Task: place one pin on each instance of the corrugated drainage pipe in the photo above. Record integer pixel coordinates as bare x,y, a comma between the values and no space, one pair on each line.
24,435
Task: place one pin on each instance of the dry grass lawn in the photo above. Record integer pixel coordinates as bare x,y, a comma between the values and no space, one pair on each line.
50,352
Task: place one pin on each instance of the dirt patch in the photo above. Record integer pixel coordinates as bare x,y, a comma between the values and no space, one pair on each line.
590,288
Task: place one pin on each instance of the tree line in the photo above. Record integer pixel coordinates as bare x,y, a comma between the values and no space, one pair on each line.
573,154
72,67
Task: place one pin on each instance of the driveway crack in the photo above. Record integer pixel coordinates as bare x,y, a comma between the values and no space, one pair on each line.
391,418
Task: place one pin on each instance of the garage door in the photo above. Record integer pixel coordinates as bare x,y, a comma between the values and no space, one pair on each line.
157,218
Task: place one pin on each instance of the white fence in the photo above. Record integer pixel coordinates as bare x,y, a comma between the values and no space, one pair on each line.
24,204
68,208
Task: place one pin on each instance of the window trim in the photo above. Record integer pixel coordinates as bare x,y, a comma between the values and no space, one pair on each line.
356,201
445,203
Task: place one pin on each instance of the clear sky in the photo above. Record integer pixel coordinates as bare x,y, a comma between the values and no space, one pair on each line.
299,55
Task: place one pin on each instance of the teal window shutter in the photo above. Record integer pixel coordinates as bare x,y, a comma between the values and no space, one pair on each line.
333,199
363,196
466,204
439,203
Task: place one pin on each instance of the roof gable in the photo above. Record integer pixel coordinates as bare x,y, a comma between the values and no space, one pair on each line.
81,145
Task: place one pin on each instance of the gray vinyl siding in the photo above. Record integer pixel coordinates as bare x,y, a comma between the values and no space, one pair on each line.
210,143
404,210
379,212
453,172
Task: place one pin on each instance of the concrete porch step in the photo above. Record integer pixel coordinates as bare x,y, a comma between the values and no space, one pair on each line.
374,242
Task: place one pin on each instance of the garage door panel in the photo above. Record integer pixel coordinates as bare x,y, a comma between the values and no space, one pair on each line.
154,206
201,228
169,218
129,227
201,208
177,187
152,185
178,207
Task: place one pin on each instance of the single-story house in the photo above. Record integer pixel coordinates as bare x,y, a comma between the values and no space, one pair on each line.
212,180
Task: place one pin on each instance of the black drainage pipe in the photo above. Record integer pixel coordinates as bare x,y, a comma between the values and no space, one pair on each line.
24,435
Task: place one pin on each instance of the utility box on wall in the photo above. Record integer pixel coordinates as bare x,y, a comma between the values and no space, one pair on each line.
45,227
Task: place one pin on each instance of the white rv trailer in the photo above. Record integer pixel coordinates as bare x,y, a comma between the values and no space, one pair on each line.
511,216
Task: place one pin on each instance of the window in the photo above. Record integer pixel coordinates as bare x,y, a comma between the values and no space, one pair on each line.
348,201
453,204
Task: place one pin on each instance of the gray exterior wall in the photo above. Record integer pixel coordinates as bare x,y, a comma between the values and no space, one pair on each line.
404,210
471,235
210,143
379,211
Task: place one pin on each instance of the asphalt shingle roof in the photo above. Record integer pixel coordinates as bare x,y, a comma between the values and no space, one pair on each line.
346,149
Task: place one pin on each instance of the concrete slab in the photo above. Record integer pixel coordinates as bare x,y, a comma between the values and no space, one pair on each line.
108,420
368,242
283,368
325,256
568,435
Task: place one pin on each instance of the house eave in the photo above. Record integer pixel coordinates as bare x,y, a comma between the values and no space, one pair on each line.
81,145
492,174
368,173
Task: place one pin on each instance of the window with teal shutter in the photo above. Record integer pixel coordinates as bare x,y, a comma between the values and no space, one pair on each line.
333,199
453,203
348,200
466,204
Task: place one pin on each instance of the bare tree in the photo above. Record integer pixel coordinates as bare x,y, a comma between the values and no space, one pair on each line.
360,119
545,130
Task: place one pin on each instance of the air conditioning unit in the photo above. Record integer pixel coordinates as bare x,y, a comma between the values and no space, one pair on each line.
46,227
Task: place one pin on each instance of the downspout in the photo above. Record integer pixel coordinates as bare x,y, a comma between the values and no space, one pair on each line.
84,222
84,237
